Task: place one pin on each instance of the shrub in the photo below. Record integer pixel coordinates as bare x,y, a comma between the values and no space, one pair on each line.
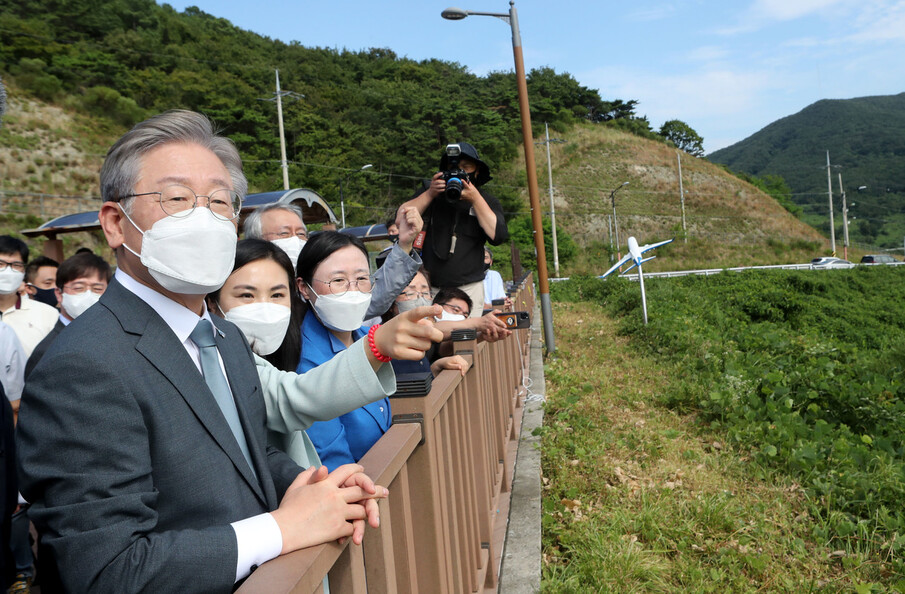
802,369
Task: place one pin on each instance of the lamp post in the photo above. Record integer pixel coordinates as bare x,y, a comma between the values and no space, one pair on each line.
342,199
615,224
456,14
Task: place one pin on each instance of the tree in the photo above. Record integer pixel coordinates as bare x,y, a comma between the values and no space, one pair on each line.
683,136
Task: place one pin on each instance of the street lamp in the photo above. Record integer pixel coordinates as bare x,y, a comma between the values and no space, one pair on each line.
615,224
456,14
342,200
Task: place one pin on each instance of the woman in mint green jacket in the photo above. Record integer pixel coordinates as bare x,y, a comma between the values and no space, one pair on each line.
260,297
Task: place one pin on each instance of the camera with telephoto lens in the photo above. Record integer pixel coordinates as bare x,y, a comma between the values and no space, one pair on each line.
454,175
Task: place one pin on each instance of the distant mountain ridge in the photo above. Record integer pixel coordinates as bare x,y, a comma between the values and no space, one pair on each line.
865,137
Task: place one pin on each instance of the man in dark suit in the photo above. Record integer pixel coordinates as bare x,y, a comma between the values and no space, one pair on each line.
8,499
142,433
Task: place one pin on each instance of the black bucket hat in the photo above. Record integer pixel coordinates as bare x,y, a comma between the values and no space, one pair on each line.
482,176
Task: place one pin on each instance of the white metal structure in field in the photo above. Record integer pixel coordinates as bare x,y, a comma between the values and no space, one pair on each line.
636,256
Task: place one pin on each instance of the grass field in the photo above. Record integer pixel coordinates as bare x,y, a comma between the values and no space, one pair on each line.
646,493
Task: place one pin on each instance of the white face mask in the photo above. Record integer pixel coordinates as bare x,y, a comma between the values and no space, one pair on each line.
75,304
449,317
10,280
410,304
190,255
292,246
342,313
263,324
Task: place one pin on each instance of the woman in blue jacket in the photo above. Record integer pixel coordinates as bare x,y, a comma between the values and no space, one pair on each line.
334,278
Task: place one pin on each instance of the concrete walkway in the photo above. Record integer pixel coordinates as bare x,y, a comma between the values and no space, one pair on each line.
521,567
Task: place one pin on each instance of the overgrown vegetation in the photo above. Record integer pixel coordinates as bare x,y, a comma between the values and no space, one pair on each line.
801,374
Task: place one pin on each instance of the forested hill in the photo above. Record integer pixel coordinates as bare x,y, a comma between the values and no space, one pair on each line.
125,59
866,141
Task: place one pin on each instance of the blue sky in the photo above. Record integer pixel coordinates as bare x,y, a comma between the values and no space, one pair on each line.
726,68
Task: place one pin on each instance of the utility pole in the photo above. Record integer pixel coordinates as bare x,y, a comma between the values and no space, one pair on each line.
829,191
844,221
682,196
552,205
609,225
615,223
278,97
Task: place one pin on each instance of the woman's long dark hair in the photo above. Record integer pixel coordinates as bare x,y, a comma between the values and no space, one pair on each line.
287,356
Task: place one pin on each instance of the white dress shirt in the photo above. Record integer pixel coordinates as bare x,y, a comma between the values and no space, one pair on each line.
12,363
493,287
258,538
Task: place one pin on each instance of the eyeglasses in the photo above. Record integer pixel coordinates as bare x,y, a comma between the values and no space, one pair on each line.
416,294
301,234
454,309
179,201
340,286
98,288
17,266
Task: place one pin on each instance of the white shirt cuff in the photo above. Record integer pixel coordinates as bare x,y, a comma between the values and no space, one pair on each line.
259,540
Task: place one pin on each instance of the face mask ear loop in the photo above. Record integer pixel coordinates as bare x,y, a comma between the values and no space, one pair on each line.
128,218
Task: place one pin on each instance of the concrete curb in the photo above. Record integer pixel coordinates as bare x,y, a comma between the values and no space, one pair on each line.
521,566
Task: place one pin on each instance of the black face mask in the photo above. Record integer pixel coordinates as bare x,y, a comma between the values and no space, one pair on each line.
486,266
47,296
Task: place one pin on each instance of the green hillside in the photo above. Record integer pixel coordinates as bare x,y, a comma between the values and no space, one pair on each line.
122,60
866,141
80,73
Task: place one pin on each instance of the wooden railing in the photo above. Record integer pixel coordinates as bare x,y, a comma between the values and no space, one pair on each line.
447,460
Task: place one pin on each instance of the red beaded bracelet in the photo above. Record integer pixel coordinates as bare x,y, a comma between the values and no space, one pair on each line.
377,354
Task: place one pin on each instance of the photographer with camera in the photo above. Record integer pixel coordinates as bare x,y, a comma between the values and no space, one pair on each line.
459,218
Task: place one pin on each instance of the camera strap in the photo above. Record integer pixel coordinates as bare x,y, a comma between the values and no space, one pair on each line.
436,239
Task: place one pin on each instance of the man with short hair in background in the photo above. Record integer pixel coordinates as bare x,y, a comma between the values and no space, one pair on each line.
80,281
31,320
40,280
280,224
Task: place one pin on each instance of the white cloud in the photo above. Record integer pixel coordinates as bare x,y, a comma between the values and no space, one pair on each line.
728,103
654,13
786,10
707,53
878,26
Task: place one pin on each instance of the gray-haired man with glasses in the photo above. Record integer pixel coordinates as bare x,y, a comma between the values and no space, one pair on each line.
142,439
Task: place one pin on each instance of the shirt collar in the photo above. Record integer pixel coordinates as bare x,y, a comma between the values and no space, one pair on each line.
64,320
179,318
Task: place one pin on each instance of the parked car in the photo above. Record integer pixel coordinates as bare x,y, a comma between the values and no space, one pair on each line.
829,262
878,259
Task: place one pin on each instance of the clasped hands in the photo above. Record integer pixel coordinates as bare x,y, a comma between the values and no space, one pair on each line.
321,507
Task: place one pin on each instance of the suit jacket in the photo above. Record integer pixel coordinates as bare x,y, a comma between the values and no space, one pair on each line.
8,499
42,347
133,473
295,401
